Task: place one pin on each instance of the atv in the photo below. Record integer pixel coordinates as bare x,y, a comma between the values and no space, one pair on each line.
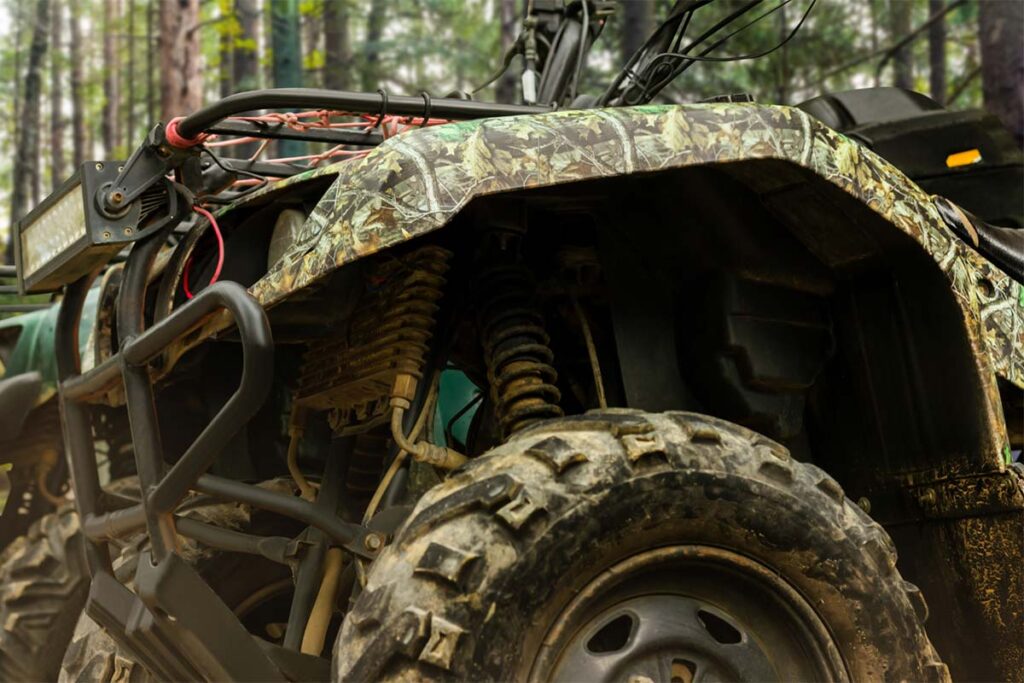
582,388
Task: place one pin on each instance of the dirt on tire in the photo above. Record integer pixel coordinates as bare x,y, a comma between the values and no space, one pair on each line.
472,580
41,575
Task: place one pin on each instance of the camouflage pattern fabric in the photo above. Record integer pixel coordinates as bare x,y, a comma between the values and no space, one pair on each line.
416,182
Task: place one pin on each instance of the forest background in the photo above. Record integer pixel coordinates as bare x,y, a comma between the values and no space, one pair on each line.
85,79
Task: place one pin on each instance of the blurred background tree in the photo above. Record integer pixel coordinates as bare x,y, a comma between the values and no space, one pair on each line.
84,79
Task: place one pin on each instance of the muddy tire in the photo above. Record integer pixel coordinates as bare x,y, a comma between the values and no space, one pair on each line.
514,567
94,657
43,585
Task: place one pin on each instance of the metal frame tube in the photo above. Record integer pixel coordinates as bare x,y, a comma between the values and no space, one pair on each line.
257,376
348,535
76,422
138,389
357,102
121,523
310,570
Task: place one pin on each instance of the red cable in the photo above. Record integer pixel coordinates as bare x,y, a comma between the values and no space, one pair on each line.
220,252
176,139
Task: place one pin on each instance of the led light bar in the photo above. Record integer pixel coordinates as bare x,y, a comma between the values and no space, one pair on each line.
65,237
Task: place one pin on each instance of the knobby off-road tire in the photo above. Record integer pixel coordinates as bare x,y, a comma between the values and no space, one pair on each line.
519,538
94,657
43,586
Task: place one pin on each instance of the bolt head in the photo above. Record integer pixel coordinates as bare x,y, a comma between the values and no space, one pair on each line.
373,542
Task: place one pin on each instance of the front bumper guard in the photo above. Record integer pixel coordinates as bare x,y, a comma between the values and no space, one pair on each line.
174,623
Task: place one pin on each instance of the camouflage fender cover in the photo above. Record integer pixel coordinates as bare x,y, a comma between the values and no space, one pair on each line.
416,182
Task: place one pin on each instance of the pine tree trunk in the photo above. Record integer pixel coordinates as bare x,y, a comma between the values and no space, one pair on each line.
637,24
1001,34
130,122
287,43
311,30
902,62
287,56
19,23
337,46
77,85
937,53
151,48
111,68
226,35
246,63
180,84
371,77
26,161
56,100
506,88
782,74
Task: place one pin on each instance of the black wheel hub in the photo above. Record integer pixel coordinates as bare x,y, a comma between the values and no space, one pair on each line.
688,614
664,638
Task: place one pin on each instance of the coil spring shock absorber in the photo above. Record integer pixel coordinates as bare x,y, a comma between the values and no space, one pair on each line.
516,346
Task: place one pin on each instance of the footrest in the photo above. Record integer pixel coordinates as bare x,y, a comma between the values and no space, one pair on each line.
177,626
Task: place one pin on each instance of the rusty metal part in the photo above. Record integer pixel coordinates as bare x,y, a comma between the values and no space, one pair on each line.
353,373
397,462
296,428
438,456
323,608
595,364
47,461
516,349
423,451
970,496
961,540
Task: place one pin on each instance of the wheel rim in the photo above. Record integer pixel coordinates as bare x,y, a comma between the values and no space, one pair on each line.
688,614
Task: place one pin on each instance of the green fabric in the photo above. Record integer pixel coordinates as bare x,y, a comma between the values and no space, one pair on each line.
34,350
454,393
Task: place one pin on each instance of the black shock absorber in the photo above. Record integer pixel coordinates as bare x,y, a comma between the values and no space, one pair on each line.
516,347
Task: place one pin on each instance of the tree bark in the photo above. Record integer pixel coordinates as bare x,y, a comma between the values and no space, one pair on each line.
782,74
937,53
56,101
26,160
337,46
19,23
151,48
226,35
111,134
375,20
129,115
245,60
78,139
180,83
902,62
637,24
505,91
1001,34
286,43
287,57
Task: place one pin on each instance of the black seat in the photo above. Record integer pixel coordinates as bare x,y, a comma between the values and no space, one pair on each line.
18,396
1002,246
